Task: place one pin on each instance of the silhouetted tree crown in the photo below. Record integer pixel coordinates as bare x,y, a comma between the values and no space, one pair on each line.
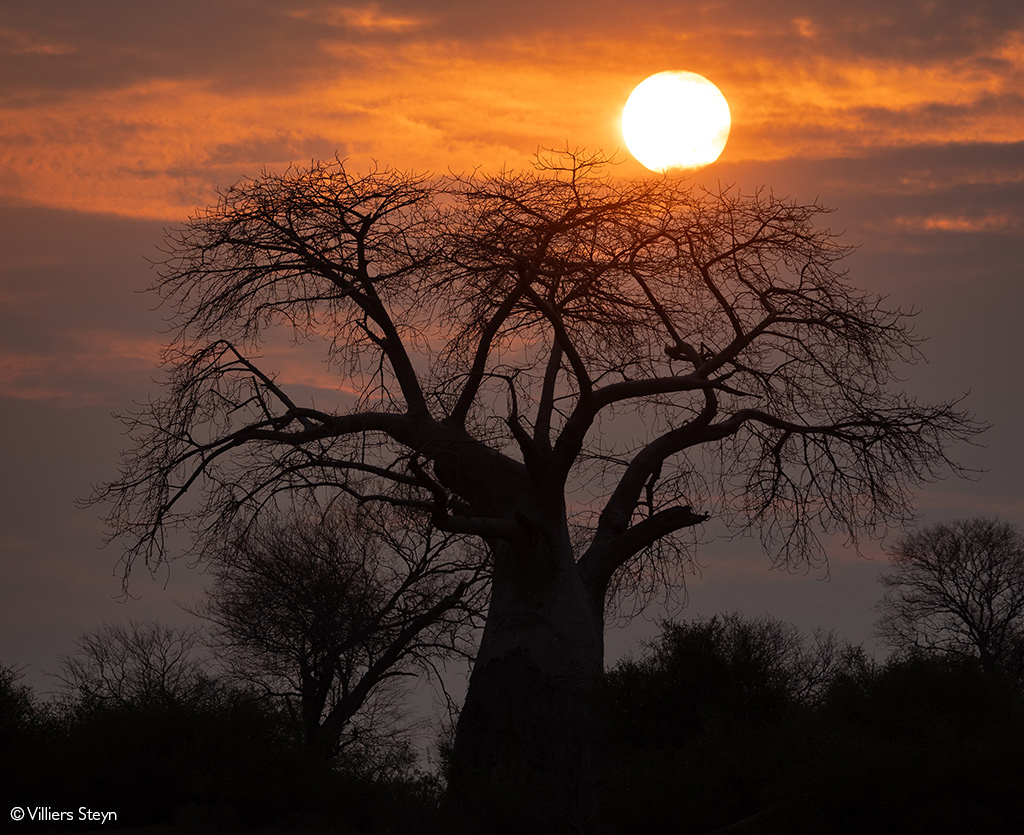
326,610
136,663
504,316
958,588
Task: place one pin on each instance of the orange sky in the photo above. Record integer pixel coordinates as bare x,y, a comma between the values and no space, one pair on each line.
118,117
115,115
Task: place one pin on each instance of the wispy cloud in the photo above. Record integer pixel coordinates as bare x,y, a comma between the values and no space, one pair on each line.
17,42
80,373
365,18
1001,223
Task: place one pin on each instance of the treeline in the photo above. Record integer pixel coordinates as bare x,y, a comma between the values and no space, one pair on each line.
718,719
207,758
723,718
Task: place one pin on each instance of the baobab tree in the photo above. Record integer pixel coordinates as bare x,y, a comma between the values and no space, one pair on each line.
573,368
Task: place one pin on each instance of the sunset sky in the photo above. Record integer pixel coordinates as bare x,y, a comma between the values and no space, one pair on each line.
119,118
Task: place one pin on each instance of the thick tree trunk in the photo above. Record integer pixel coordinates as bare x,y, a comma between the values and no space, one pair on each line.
524,746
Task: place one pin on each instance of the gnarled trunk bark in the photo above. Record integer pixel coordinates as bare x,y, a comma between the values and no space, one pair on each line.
524,745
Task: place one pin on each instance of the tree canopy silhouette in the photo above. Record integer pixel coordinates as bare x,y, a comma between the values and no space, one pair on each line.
140,662
573,367
957,588
326,609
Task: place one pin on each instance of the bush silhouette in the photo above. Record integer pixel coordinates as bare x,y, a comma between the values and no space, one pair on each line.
717,721
218,759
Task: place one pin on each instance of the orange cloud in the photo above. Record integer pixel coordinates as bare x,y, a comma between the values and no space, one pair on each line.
959,223
82,372
368,18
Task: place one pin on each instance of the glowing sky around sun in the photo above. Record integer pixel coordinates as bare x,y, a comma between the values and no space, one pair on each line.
147,111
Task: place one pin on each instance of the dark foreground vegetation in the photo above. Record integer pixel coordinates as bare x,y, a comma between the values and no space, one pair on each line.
727,717
717,720
213,761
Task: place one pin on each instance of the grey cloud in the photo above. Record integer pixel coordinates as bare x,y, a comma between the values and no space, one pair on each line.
234,44
916,30
229,43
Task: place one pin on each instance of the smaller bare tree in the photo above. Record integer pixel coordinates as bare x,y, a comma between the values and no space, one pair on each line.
133,663
327,610
958,589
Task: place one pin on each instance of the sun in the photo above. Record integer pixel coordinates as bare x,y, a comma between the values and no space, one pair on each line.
676,119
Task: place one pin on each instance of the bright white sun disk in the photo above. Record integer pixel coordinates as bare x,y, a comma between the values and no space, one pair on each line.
676,119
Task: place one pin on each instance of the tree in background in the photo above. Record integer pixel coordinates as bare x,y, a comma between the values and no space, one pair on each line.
143,728
754,667
958,588
327,609
135,663
575,369
742,719
16,705
716,716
